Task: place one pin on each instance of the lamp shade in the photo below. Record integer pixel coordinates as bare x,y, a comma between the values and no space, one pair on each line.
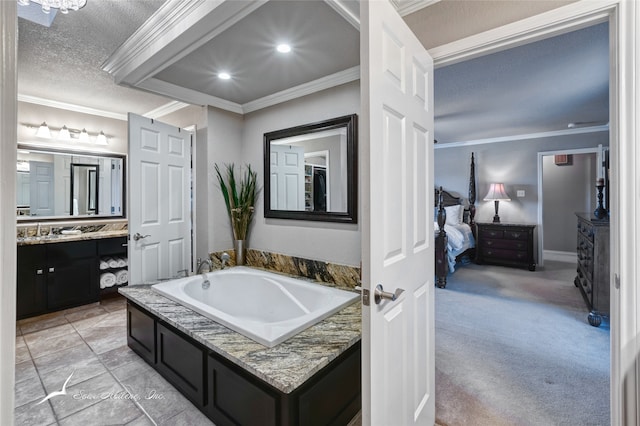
497,193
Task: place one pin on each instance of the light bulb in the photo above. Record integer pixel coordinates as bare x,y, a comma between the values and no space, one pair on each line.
84,136
101,139
43,131
64,134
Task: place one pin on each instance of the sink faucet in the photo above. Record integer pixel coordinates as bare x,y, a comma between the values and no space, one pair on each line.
205,281
225,259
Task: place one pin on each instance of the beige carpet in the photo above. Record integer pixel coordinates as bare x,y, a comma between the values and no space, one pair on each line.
513,347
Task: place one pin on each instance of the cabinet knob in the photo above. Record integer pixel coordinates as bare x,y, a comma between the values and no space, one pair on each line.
52,269
39,272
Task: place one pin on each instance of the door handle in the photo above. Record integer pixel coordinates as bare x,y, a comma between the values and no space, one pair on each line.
137,236
380,294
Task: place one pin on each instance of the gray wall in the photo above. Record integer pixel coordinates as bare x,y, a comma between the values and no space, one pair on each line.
566,189
512,163
339,243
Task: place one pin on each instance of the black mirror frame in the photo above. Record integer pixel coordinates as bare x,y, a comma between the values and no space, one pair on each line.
65,218
351,215
96,171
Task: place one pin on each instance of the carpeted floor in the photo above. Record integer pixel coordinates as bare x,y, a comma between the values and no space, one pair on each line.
513,347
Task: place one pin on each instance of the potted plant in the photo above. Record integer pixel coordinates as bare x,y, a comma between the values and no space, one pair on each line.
239,197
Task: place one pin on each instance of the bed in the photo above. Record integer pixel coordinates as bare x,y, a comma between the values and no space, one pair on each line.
454,229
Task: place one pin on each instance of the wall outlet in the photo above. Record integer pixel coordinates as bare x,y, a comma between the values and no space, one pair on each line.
520,193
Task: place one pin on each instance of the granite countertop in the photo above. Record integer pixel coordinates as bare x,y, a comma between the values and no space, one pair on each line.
59,238
285,366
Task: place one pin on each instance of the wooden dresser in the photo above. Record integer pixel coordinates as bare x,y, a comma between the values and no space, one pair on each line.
505,244
593,266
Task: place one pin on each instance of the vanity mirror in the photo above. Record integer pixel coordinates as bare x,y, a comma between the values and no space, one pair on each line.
310,171
54,184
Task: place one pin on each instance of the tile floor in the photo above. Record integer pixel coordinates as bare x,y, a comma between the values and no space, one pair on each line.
108,384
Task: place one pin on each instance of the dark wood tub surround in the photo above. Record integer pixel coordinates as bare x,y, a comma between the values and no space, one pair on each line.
312,378
445,199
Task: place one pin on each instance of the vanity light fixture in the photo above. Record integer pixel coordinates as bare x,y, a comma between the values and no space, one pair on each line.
101,139
64,5
67,134
283,48
224,76
64,134
84,136
43,131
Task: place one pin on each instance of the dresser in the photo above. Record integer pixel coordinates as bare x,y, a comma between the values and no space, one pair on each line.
593,266
505,244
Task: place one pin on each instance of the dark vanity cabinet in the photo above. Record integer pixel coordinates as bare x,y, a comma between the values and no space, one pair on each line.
72,274
55,276
59,275
32,281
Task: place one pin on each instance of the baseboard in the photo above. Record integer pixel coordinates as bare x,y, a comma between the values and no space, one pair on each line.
560,256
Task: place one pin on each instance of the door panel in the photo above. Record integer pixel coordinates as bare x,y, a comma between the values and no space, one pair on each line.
397,164
160,200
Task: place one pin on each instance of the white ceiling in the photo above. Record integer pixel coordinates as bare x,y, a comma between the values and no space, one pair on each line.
535,88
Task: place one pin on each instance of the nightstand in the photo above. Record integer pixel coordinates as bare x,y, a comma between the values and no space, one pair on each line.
505,244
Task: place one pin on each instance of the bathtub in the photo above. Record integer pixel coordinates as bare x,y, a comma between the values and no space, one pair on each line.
266,307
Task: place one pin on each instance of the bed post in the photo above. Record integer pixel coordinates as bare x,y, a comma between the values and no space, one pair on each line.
472,194
442,265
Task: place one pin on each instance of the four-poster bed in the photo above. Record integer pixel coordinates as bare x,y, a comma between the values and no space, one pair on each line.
454,228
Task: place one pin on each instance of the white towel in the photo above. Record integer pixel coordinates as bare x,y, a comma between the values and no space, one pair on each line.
113,263
122,277
104,264
107,279
122,262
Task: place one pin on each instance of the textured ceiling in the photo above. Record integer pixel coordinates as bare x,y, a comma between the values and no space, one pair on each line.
321,46
537,87
534,88
63,63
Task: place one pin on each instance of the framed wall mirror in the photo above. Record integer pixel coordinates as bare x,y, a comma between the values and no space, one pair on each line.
310,171
54,184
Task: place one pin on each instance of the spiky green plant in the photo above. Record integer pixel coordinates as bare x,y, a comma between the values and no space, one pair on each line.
239,199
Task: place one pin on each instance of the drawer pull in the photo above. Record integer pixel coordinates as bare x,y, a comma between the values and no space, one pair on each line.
52,269
39,272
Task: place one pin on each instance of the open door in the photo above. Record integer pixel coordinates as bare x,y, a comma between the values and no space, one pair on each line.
397,235
159,200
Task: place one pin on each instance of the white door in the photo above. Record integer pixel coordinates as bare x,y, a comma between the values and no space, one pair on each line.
287,177
159,200
42,188
397,239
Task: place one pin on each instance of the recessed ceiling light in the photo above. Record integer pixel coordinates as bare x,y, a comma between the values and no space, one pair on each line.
224,75
283,48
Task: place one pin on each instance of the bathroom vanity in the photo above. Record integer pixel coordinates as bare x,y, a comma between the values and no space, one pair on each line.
312,378
62,271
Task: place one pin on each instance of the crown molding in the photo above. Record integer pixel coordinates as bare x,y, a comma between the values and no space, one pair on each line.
342,77
188,95
340,7
166,109
407,7
567,18
176,29
525,136
71,107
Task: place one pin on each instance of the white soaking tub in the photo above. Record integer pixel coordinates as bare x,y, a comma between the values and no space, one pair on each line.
266,307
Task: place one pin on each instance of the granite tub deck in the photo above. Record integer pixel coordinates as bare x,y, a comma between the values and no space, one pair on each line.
285,366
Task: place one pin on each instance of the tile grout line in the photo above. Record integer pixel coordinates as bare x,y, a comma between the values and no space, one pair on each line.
136,403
